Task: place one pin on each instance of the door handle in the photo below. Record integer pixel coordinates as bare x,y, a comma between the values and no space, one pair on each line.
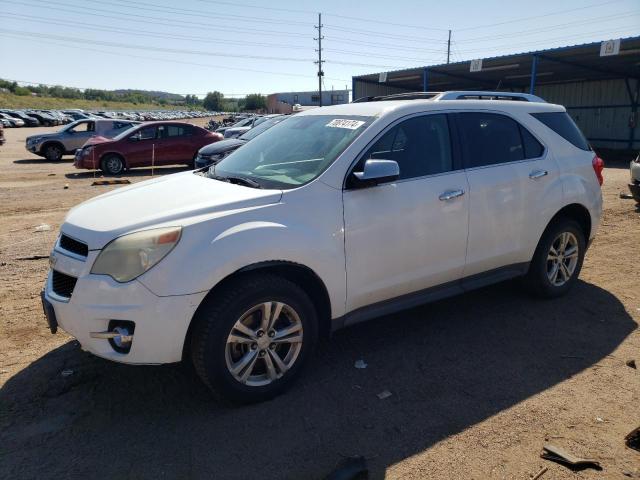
450,194
537,174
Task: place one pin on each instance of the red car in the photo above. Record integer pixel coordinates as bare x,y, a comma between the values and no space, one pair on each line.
160,143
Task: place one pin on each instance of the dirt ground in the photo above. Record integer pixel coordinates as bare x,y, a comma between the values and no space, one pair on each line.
479,382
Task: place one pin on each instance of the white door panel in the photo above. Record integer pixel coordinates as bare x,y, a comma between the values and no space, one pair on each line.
401,238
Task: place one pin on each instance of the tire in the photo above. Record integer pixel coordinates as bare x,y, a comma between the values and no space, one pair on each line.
112,165
53,152
546,277
214,353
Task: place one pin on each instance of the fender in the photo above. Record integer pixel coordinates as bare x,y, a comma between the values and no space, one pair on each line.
211,250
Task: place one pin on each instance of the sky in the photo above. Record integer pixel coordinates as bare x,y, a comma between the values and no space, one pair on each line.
241,47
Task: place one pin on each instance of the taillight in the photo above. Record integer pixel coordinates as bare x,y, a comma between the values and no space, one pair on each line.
598,167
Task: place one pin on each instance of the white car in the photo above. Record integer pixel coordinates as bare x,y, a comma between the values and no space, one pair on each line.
338,215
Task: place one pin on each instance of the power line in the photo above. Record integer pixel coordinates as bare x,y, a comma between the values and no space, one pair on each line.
164,60
551,27
146,18
154,49
359,31
521,19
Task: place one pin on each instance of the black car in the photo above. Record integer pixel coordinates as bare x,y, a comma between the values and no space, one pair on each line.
28,121
44,118
215,152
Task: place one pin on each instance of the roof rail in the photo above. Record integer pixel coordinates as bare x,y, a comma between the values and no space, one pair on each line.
488,95
399,96
454,95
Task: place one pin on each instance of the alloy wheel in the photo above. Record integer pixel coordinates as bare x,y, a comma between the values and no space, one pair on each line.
562,258
264,343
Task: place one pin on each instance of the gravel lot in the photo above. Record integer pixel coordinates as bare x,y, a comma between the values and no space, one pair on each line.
478,382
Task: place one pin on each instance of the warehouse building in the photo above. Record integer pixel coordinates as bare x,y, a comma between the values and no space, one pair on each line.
284,102
598,83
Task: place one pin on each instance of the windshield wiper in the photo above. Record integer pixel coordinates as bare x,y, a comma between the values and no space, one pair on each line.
244,181
247,182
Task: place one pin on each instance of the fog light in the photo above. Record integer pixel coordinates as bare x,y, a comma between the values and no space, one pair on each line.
119,335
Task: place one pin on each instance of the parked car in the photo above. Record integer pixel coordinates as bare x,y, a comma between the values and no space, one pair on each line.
215,152
13,122
53,146
44,118
158,143
243,122
634,185
235,132
28,121
335,216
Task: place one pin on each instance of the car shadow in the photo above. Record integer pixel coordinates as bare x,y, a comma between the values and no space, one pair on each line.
448,366
31,161
135,172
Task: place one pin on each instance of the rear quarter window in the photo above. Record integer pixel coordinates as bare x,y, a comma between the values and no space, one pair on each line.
563,125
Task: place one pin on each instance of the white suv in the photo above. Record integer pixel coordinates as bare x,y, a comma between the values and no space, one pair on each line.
333,216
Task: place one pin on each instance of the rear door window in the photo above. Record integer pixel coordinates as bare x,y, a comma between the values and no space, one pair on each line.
489,139
563,125
532,147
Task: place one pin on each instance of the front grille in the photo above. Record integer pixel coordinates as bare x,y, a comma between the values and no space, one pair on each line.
62,284
74,246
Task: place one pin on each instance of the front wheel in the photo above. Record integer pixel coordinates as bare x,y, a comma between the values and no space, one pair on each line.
53,152
558,259
251,339
112,165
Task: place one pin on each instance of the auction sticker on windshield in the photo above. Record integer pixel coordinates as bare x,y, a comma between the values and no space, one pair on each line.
344,123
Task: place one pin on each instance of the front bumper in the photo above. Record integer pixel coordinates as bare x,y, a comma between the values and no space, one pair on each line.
161,323
33,147
634,188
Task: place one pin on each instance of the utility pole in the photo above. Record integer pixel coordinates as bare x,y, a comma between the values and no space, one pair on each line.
449,47
320,61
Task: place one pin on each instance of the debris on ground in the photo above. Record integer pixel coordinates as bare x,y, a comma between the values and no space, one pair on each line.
43,227
384,394
540,473
631,363
111,182
352,468
632,440
34,257
599,420
626,196
559,455
66,186
66,373
360,364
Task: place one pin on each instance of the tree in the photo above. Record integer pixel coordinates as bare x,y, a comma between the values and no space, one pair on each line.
255,101
213,101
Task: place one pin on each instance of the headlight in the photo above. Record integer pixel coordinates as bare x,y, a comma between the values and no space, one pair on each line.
129,256
87,150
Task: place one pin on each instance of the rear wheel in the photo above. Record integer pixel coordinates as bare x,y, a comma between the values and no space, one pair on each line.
250,342
558,259
112,165
53,152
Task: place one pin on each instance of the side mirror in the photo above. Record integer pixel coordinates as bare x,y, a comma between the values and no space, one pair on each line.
375,172
134,138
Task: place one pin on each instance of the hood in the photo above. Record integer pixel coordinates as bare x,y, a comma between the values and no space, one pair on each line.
96,140
42,135
170,200
221,146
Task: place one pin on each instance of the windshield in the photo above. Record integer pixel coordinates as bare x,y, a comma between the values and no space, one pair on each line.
243,123
266,125
294,152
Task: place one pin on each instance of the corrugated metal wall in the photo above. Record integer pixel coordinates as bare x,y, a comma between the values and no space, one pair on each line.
366,89
602,109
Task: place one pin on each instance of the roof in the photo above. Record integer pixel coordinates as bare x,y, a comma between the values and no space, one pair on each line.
377,109
555,65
